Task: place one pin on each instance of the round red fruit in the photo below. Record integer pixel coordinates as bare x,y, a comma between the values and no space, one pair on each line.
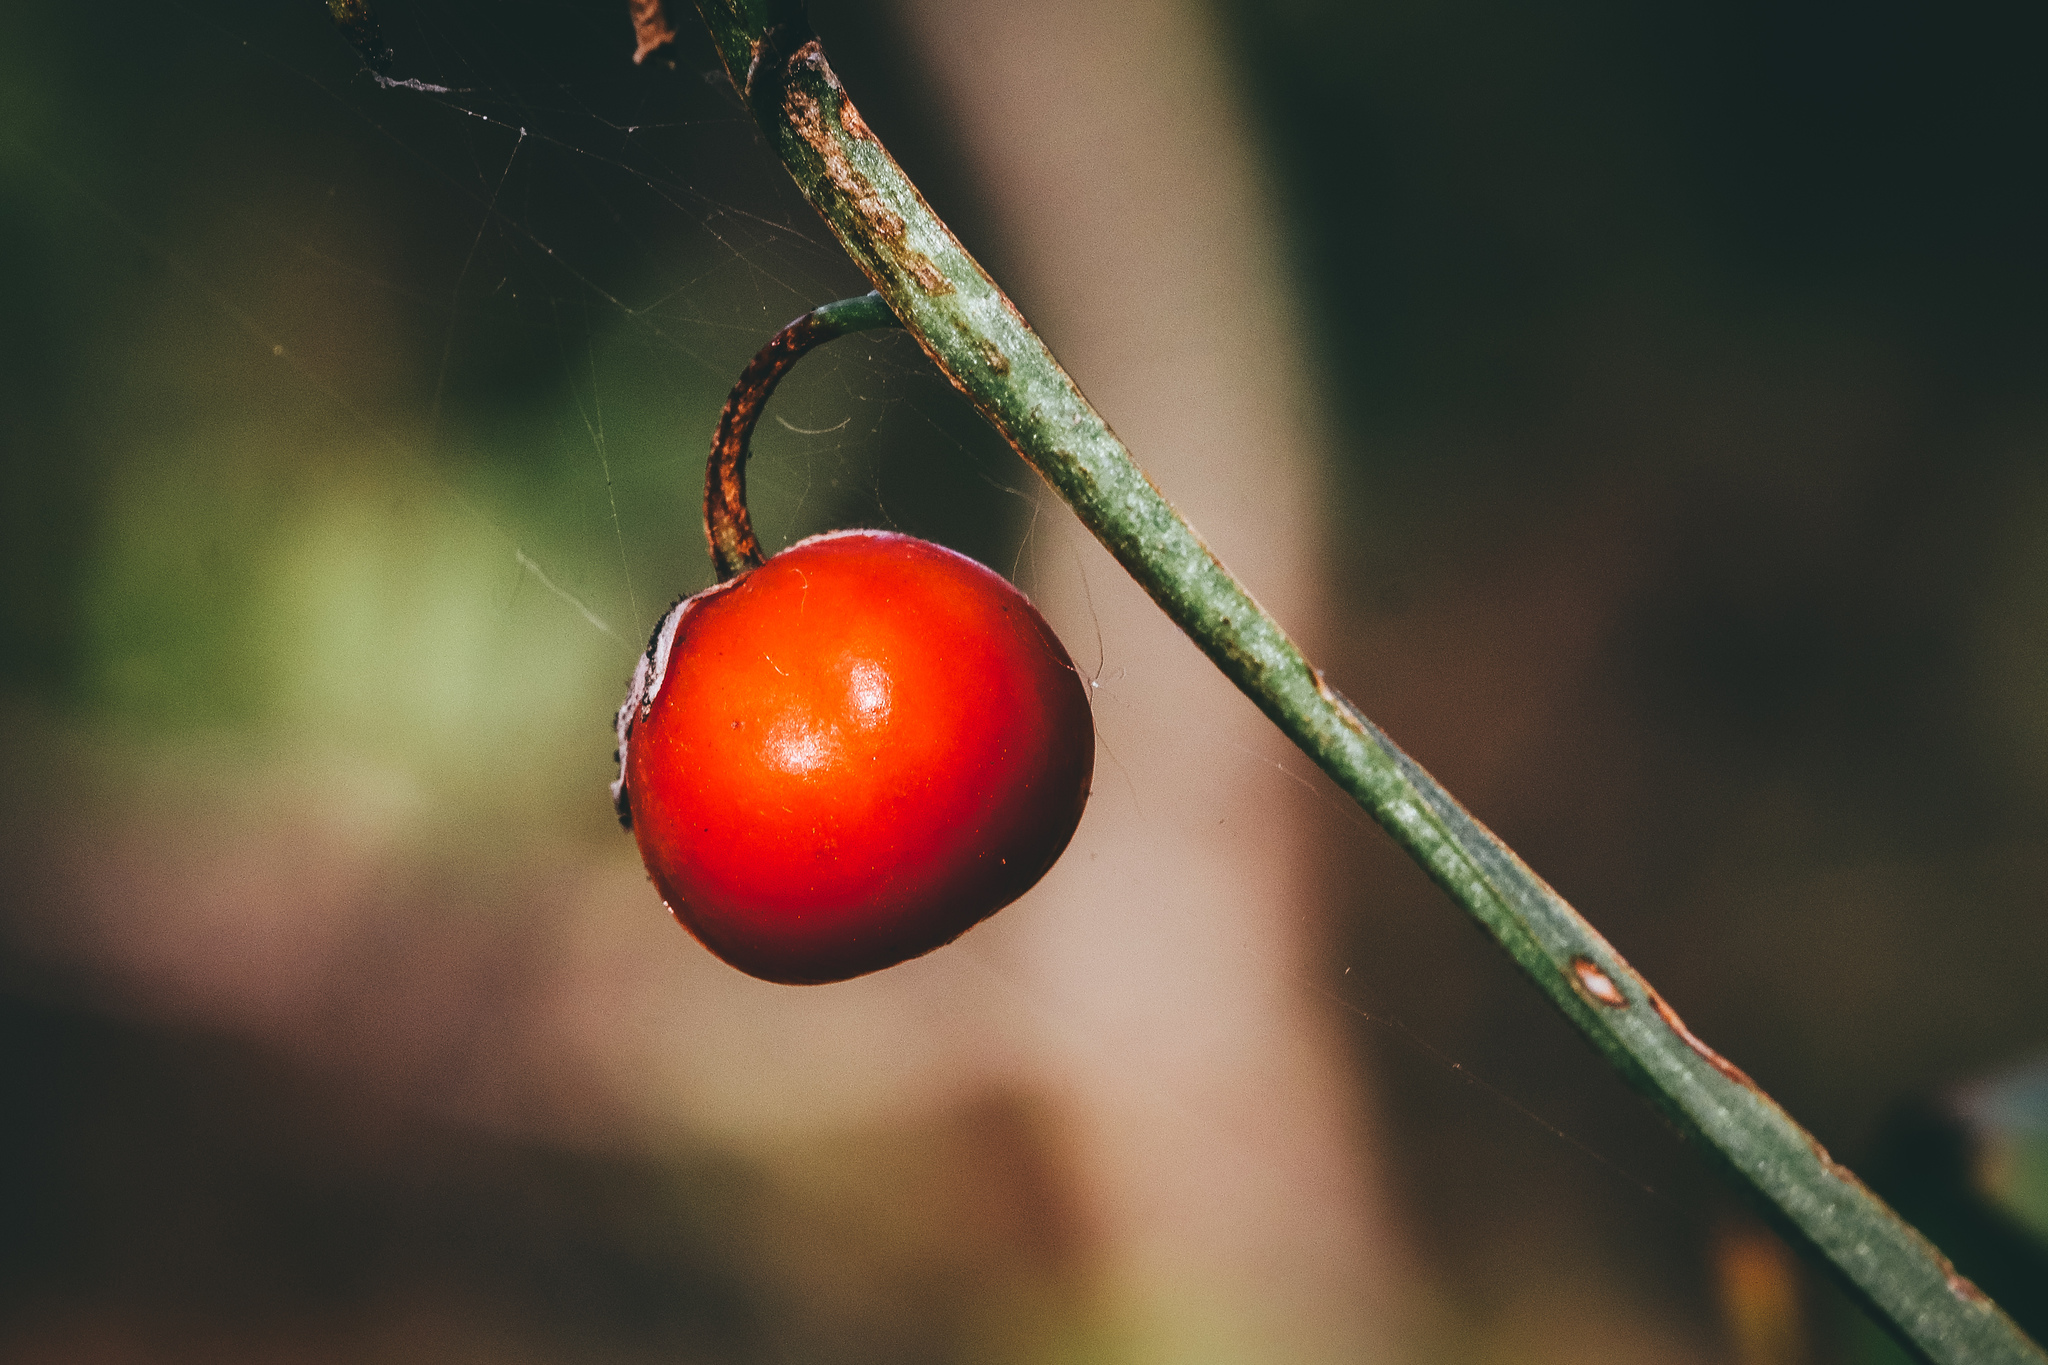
851,755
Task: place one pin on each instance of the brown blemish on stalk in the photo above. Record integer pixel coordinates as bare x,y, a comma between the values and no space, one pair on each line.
928,276
1598,985
1827,1162
1707,1054
878,237
994,358
882,224
1964,1290
1355,719
650,28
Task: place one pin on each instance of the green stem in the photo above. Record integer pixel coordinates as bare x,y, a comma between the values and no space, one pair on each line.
979,340
727,527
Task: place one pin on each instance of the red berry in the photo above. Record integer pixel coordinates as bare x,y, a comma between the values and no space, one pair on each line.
851,755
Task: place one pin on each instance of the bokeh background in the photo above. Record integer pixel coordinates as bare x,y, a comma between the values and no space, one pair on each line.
1639,410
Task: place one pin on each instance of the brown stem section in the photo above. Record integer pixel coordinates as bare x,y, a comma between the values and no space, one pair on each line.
727,527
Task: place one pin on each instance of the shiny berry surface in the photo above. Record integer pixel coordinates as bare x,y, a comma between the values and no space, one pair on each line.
851,755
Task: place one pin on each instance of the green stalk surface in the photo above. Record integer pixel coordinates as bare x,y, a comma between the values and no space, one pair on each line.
981,342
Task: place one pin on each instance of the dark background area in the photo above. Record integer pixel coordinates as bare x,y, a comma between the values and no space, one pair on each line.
1688,518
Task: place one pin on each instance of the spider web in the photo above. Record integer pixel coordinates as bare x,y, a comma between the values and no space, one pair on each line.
411,428
514,275
516,269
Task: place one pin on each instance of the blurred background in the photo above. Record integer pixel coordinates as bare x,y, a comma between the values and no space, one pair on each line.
1639,411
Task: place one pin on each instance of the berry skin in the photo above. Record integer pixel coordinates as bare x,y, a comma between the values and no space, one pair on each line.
851,755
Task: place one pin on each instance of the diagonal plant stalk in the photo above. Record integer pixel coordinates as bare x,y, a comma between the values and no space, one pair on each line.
979,340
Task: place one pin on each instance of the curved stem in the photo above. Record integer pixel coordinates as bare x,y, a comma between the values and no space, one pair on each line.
727,527
983,345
